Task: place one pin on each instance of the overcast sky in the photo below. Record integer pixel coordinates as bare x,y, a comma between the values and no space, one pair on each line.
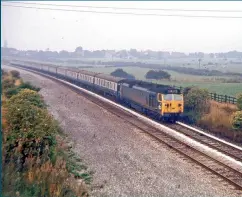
57,30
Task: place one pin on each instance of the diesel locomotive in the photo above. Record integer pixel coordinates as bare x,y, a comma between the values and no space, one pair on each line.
161,102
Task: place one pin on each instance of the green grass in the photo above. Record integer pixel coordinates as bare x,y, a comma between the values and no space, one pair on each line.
209,82
223,65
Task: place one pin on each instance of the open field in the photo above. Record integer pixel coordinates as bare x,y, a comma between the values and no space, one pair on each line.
212,83
224,65
209,82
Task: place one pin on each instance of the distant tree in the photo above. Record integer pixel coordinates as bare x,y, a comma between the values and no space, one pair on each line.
121,73
64,53
78,49
152,74
134,52
211,55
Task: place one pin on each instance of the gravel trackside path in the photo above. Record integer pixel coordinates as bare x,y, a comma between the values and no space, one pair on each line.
125,161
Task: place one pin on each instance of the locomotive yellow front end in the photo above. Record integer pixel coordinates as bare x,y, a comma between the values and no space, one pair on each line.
171,104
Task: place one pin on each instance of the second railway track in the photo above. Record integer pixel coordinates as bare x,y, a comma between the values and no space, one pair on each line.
211,142
219,168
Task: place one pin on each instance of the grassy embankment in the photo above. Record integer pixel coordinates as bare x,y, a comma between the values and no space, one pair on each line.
219,120
37,159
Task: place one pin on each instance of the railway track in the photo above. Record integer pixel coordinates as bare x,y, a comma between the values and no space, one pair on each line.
217,167
220,146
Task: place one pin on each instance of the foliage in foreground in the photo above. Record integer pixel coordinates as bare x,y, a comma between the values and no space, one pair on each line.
15,74
35,162
15,90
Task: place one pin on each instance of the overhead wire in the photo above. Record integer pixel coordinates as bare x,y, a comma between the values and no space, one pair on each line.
122,13
125,8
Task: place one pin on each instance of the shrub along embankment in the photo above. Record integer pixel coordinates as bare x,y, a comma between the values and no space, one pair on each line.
37,161
220,118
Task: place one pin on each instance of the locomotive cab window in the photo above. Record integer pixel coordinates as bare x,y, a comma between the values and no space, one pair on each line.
178,97
168,97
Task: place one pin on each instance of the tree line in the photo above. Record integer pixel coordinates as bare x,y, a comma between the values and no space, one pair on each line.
152,74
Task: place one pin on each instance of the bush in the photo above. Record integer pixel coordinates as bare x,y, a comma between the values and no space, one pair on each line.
239,101
15,90
121,73
30,134
196,103
11,91
28,121
27,85
152,74
27,96
7,83
32,165
15,74
237,121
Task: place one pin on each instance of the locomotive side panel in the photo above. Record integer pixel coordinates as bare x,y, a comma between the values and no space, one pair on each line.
139,96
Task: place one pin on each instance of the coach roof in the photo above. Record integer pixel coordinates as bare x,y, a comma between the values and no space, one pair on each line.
110,78
85,72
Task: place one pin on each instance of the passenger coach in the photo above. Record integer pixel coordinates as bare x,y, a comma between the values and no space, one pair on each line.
107,84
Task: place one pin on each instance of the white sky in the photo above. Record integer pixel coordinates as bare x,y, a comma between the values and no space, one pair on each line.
40,29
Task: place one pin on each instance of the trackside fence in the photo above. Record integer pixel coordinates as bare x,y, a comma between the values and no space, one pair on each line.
219,98
223,98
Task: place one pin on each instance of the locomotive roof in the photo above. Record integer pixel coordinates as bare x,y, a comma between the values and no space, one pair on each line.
158,88
110,78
